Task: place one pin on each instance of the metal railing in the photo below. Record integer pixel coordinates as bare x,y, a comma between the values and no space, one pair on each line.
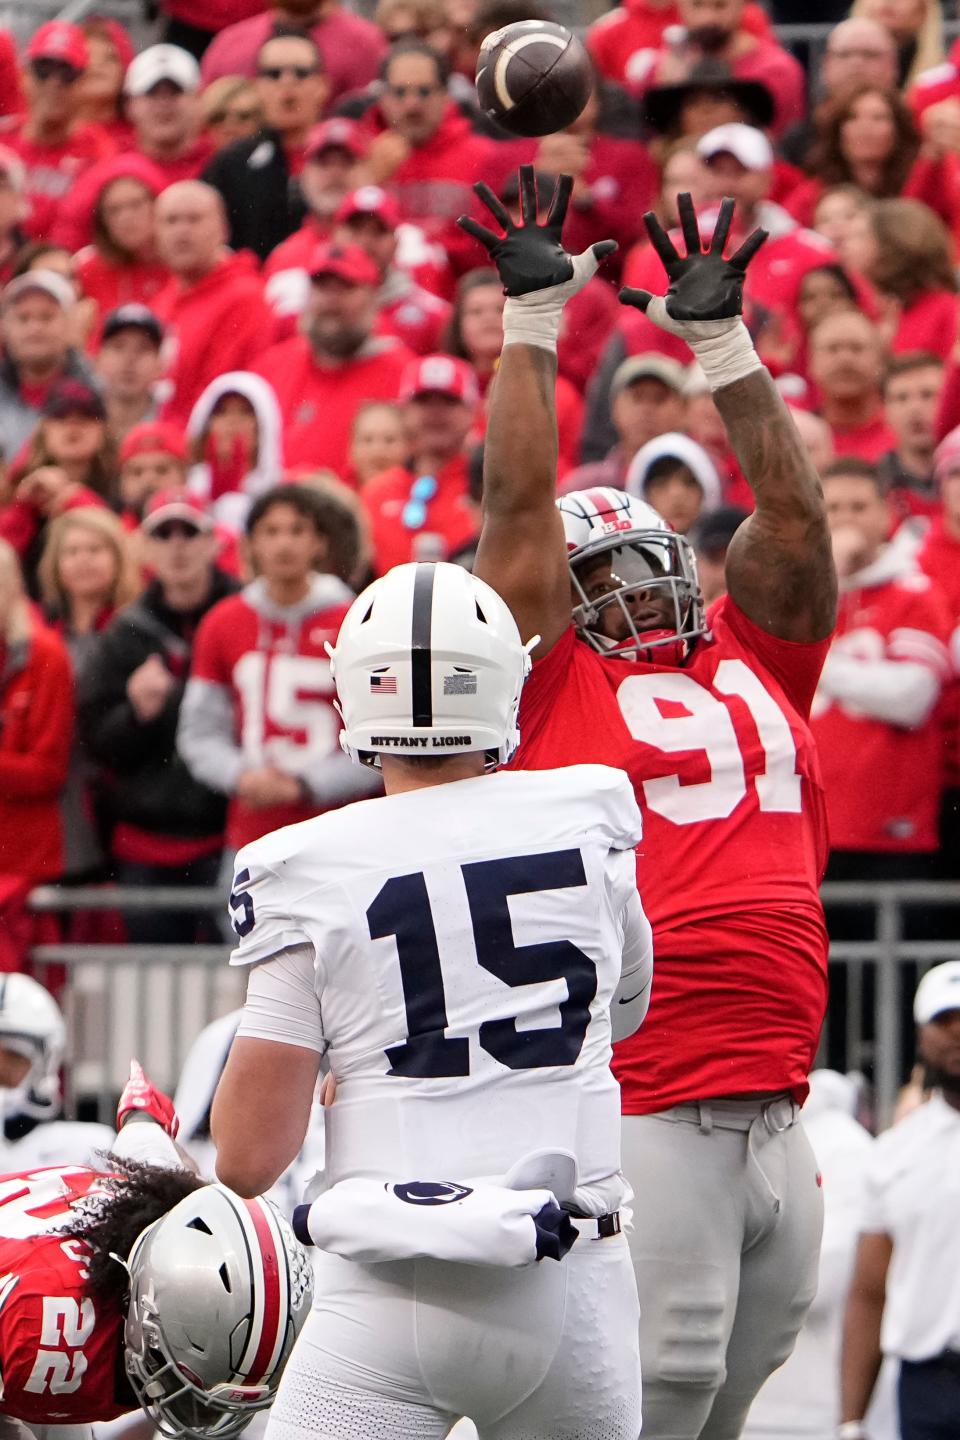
153,1000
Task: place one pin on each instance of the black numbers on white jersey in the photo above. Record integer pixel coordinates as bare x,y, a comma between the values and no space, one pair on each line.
242,900
402,910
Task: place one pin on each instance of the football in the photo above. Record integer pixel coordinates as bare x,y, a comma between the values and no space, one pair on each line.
533,77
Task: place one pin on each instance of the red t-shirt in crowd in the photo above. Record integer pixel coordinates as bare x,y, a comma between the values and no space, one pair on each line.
318,402
111,284
218,323
939,558
870,441
36,732
276,673
52,170
61,1347
734,847
414,316
882,781
450,515
929,323
351,47
624,40
189,164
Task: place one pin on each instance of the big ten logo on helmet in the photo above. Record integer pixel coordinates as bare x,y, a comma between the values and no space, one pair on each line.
430,1192
612,525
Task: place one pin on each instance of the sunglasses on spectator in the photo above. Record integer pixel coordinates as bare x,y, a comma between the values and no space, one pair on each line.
277,72
420,92
43,69
422,491
170,528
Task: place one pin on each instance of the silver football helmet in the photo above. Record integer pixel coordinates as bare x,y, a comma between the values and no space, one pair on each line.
645,557
219,1290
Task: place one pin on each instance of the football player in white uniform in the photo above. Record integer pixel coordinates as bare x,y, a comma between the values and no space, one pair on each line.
32,1042
462,952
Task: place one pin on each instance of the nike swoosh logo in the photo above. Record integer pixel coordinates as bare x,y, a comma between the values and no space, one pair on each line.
630,998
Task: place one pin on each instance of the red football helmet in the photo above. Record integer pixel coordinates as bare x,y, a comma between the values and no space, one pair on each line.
647,559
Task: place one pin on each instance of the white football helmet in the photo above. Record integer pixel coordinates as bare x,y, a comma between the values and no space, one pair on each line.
645,557
31,1025
220,1289
429,662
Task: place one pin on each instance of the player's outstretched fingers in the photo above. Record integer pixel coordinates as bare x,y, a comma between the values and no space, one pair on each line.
603,248
639,299
493,203
661,241
528,195
748,249
479,232
688,223
559,202
722,227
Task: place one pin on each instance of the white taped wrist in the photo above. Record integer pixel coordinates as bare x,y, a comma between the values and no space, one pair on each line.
851,1430
533,319
726,357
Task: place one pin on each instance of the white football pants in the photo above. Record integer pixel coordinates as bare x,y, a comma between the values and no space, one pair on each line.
402,1351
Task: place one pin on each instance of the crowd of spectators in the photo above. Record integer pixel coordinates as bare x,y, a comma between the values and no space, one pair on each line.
246,352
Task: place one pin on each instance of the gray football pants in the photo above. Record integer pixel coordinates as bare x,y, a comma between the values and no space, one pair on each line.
725,1242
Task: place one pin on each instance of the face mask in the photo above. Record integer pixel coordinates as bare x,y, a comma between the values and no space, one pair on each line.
709,38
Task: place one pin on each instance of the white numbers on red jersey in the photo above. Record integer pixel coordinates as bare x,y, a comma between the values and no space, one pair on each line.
708,727
286,693
61,1364
38,1202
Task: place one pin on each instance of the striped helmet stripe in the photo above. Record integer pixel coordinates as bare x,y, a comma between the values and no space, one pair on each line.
421,654
270,1291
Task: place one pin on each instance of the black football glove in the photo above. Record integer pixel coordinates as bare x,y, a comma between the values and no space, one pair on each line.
703,285
530,256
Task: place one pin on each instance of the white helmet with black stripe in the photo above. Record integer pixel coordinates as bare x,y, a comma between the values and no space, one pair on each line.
219,1290
429,662
647,563
32,1026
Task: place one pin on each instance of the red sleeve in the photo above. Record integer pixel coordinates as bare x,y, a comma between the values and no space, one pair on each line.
42,772
19,523
948,410
11,94
795,665
937,184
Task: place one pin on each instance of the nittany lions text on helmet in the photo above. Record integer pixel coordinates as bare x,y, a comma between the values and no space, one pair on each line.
632,556
429,661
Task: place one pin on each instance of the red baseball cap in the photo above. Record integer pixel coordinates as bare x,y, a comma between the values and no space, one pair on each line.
369,200
151,437
337,133
440,375
176,504
347,262
59,40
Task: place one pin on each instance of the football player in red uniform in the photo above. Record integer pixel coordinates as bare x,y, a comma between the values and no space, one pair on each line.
195,1324
708,714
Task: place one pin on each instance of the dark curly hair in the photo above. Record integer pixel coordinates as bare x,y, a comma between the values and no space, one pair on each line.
138,1195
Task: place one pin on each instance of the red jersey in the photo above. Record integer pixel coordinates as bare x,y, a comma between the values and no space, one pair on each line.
59,1348
734,847
868,442
883,781
939,557
318,402
52,170
269,669
450,515
112,285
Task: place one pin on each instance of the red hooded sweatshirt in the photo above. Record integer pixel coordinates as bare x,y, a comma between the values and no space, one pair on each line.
434,185
218,323
638,26
36,731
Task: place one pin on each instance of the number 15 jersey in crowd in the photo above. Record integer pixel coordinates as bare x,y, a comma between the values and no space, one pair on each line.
465,943
735,843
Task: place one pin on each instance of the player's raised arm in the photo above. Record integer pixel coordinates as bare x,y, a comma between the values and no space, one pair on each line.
522,551
779,566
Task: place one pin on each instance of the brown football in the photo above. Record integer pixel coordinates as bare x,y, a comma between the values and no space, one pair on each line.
533,77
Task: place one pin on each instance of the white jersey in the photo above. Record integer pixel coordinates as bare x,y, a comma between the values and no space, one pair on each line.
454,951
